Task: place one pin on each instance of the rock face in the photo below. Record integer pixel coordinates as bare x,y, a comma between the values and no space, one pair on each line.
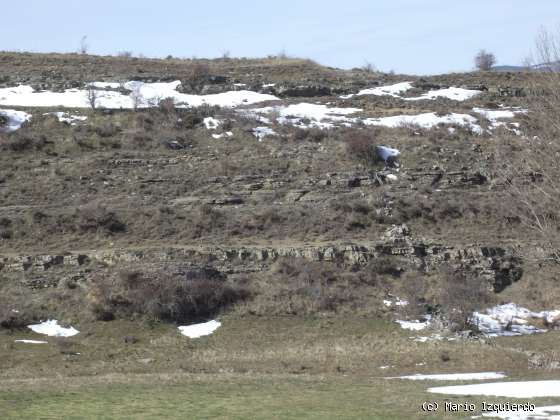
498,265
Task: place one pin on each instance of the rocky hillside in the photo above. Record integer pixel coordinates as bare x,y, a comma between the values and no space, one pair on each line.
301,188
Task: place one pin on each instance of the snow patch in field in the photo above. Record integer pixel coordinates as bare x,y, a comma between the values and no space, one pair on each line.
495,116
65,117
211,123
391,90
384,152
31,341
482,376
53,329
427,120
397,301
106,85
454,93
261,132
551,412
15,120
433,337
142,95
223,135
527,389
413,325
306,115
200,330
511,319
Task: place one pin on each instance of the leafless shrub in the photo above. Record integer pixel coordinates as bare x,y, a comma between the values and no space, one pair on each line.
21,142
167,105
548,361
369,67
92,94
462,293
84,46
124,54
361,147
136,97
197,75
176,297
484,60
532,178
95,219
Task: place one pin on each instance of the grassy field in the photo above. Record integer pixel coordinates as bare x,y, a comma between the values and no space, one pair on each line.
250,368
225,396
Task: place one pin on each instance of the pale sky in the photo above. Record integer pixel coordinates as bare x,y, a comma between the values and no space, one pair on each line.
407,36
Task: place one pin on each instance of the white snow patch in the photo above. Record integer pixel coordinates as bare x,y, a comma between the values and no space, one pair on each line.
391,90
528,389
211,123
221,136
67,118
31,341
396,301
427,120
200,330
15,119
551,412
413,325
53,329
261,132
495,117
143,95
454,376
454,93
511,319
106,85
267,85
319,115
385,152
433,337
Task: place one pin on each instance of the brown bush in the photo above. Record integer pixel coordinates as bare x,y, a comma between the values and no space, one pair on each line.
462,293
23,142
96,218
360,147
184,296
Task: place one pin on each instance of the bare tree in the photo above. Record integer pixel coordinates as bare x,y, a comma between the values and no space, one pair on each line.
92,94
484,60
533,177
137,97
84,46
369,67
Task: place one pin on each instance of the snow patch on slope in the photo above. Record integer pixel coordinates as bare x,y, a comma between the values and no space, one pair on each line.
454,376
200,330
15,119
528,389
551,412
391,90
261,132
306,115
142,95
511,319
427,120
454,93
67,118
53,329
